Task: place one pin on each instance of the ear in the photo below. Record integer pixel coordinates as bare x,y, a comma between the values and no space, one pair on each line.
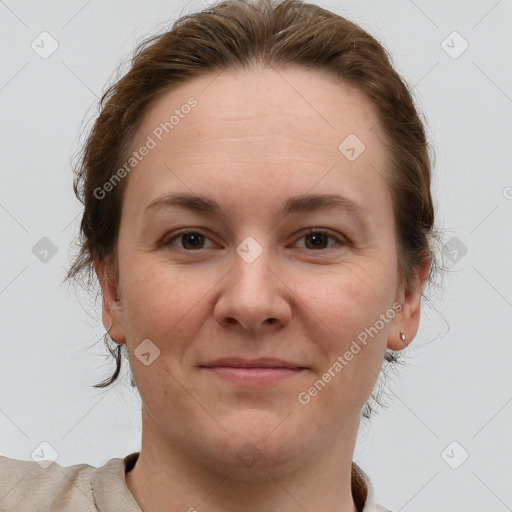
112,310
407,319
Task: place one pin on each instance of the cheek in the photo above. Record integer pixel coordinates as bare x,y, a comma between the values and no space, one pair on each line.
162,305
351,296
345,323
166,309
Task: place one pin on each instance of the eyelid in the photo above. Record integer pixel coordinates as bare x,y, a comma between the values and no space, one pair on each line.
340,239
166,240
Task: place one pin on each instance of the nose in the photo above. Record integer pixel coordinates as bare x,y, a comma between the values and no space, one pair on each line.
253,297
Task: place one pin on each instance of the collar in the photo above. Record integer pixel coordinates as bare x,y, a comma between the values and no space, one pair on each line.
112,494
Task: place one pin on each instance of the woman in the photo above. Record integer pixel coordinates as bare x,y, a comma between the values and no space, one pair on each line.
257,210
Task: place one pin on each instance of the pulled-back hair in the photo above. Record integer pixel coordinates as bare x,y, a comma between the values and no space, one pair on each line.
237,34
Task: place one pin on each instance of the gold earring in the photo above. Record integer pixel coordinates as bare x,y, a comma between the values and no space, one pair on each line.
402,337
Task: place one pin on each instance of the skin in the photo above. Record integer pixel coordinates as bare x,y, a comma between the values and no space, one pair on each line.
255,138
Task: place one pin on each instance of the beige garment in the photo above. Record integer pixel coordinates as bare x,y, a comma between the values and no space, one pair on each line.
25,486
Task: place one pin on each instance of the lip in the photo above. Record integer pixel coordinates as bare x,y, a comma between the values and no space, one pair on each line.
263,371
261,362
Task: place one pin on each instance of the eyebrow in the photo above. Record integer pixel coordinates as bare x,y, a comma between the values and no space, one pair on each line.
296,204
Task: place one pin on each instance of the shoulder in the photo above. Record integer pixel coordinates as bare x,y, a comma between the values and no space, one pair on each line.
375,507
363,491
45,486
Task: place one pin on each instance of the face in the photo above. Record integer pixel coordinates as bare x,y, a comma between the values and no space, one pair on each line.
254,295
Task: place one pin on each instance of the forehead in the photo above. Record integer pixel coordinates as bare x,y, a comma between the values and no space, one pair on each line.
282,124
271,98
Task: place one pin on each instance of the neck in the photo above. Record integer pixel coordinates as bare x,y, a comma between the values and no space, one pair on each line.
177,481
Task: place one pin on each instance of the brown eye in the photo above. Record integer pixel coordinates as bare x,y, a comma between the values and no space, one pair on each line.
317,240
189,241
192,241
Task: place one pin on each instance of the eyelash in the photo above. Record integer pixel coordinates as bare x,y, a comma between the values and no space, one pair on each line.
340,240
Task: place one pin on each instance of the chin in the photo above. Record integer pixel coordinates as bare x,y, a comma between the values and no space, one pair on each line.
256,442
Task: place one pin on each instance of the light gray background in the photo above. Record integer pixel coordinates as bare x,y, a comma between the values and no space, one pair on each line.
457,386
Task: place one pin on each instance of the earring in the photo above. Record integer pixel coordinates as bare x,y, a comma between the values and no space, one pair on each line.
402,337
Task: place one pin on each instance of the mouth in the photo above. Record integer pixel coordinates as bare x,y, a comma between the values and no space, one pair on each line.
253,372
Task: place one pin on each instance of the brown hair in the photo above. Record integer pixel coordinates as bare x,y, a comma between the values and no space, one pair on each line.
236,34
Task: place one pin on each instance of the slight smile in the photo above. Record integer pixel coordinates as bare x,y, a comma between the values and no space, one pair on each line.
253,372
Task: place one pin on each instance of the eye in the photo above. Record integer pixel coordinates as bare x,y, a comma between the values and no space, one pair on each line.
317,239
188,240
